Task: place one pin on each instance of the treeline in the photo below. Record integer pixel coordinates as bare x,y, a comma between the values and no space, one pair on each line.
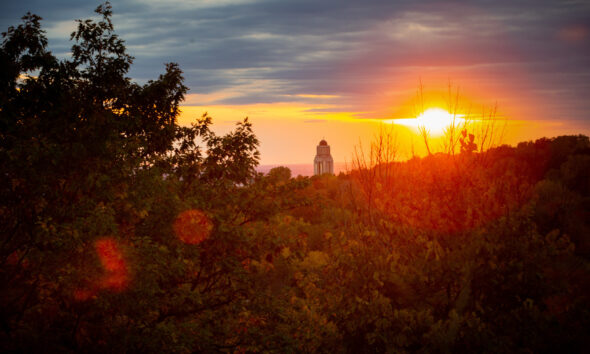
121,234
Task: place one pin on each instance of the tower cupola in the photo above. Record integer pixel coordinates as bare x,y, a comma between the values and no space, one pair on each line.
323,162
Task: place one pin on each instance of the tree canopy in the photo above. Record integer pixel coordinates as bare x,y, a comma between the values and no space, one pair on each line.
123,231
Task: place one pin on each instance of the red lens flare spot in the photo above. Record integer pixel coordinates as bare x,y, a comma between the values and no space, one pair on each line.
115,281
110,255
111,258
192,226
116,273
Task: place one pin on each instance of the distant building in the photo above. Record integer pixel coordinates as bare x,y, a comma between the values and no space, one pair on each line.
323,162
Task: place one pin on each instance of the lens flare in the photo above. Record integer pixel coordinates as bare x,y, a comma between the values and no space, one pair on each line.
116,275
112,260
192,226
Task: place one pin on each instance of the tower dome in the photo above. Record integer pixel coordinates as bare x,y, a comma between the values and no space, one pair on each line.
323,162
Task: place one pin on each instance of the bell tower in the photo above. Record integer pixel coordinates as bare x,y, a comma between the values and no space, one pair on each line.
323,162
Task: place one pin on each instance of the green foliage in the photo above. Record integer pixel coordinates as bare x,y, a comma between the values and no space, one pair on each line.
473,252
87,154
279,174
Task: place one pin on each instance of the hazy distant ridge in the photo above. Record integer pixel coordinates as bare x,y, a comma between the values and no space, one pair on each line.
303,169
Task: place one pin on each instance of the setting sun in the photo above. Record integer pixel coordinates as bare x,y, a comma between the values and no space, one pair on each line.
434,120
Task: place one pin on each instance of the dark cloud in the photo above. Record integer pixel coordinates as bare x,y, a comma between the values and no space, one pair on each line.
272,51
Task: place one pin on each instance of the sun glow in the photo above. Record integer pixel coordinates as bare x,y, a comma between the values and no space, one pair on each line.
434,120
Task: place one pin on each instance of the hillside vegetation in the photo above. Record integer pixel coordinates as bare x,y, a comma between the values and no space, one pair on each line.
119,233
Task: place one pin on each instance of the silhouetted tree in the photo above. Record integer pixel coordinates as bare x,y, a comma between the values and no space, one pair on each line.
94,174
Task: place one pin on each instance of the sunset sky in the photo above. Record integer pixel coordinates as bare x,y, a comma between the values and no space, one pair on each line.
306,70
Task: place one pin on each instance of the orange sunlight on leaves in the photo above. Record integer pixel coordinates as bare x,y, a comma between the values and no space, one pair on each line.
192,226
